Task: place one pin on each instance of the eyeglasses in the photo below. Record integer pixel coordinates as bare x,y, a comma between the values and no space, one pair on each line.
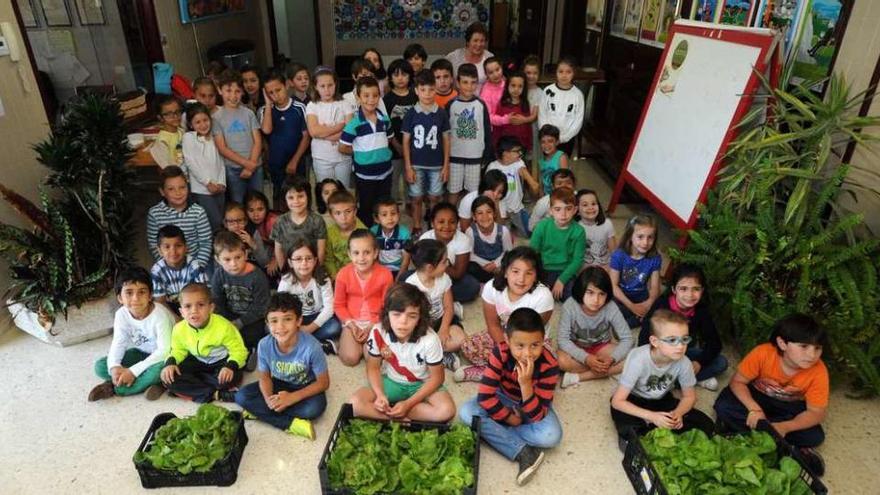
173,113
303,259
685,339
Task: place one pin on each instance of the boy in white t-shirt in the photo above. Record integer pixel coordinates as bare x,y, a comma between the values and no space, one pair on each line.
509,161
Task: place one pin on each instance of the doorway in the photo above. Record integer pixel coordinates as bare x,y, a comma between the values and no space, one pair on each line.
141,38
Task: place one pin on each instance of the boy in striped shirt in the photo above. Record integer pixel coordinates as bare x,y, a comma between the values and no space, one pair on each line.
176,269
515,396
366,138
177,209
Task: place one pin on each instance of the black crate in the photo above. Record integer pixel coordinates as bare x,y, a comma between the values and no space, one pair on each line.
224,472
646,481
346,414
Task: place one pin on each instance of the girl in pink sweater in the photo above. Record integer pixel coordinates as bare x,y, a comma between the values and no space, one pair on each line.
493,89
514,106
360,291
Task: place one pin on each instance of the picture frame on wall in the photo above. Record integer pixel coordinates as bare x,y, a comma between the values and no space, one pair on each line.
618,16
737,12
632,19
671,12
595,15
818,43
28,17
200,10
90,12
705,10
55,12
651,17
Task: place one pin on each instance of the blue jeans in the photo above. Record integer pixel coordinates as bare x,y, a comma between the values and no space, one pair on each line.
328,331
251,399
465,289
237,187
510,440
714,368
550,278
214,205
631,319
520,220
427,182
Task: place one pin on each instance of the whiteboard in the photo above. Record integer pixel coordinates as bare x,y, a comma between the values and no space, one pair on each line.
689,114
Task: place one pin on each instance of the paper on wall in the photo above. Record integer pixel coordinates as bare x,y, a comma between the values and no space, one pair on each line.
61,41
67,70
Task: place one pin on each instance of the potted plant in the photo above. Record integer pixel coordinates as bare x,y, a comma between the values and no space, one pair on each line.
773,241
80,234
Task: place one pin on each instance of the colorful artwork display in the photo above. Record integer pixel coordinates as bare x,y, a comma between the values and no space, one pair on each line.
633,16
618,14
818,40
199,10
705,10
651,19
404,19
670,14
737,12
782,15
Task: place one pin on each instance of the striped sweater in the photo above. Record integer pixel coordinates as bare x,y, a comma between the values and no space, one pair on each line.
193,221
500,377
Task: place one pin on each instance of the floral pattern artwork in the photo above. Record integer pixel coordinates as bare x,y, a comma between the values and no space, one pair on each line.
405,19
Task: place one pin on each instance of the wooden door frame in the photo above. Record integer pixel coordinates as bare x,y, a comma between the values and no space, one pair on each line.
146,10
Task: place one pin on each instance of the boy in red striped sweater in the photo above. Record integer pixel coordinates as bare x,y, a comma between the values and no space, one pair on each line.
515,396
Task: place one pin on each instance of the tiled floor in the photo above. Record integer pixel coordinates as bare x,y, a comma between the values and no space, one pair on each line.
53,441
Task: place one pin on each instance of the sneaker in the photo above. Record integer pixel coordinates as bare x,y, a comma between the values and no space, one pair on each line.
458,309
529,459
451,361
245,414
251,364
570,379
328,346
814,461
709,384
102,391
225,395
471,373
302,428
154,392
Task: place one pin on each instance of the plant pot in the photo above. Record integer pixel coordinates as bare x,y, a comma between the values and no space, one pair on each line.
92,320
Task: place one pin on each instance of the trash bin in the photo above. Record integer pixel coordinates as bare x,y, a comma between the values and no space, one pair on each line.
233,53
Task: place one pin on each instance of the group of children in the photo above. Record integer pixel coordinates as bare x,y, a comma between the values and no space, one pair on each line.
353,281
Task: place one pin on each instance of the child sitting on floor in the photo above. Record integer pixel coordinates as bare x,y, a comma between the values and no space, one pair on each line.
344,212
207,352
515,398
175,270
235,220
784,382
299,221
599,230
404,367
490,240
393,236
509,162
563,177
141,340
635,269
292,371
493,185
176,209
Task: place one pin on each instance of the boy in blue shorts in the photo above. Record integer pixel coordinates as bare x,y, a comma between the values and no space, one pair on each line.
292,372
426,148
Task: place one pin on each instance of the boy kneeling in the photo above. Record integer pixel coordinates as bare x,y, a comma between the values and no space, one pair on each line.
515,396
141,338
292,370
207,352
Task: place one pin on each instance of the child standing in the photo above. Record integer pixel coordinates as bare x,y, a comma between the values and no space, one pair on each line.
366,137
493,89
430,261
552,158
309,282
515,398
444,82
392,236
784,382
517,285
493,185
238,139
532,70
206,93
326,116
563,177
298,82
444,220
416,56
141,340
635,269
398,101
373,56
599,230
167,149
204,165
426,147
643,398
236,221
589,325
207,352
240,291
404,368
360,69
343,210
510,163
176,269
299,221
563,105
251,85
561,243
360,291
292,370
175,209
514,114
471,136
284,124
687,290
491,240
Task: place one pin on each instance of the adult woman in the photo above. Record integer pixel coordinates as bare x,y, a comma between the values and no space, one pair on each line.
474,52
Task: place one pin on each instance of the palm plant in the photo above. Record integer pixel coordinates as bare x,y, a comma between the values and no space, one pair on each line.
772,240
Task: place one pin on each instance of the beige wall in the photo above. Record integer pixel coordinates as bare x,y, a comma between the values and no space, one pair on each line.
180,40
856,60
23,124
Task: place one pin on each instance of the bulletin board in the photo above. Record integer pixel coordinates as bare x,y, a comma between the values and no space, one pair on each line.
407,19
689,117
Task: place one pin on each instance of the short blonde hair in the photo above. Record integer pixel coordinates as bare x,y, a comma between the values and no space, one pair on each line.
663,317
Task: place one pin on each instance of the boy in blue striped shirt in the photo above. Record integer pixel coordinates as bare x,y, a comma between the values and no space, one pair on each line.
176,269
177,209
426,145
366,137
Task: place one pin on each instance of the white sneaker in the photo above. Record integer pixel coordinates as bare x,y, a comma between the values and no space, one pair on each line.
570,379
709,384
458,310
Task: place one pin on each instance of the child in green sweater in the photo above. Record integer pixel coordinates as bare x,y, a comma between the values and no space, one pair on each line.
560,242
